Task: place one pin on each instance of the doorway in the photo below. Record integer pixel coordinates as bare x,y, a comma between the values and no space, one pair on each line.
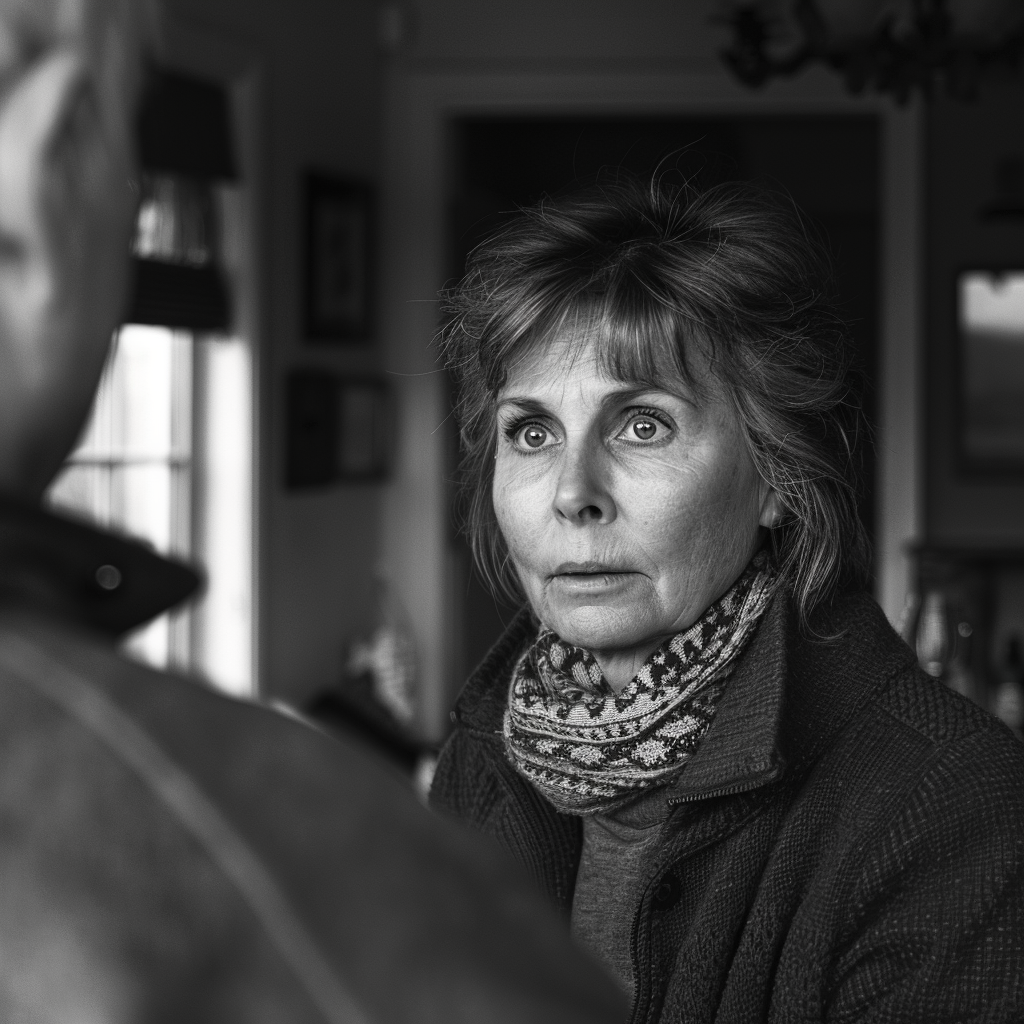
828,164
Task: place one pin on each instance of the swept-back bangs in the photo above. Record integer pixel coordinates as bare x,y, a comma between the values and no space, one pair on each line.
651,271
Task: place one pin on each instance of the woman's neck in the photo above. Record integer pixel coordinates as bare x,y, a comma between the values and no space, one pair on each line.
619,667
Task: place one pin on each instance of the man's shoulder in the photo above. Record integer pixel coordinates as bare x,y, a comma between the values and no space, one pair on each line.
308,832
238,751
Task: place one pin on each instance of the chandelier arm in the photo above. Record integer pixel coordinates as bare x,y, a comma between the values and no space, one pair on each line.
928,55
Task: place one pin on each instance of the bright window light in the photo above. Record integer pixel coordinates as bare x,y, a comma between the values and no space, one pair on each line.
991,371
167,457
223,534
131,471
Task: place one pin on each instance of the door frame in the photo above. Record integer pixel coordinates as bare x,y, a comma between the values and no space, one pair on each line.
420,108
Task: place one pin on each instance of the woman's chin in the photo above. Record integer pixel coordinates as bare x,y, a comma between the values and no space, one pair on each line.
591,610
598,627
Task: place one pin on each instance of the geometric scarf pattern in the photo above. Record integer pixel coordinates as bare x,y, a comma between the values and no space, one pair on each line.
587,748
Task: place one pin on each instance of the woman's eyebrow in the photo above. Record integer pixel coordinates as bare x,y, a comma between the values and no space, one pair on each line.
633,392
523,403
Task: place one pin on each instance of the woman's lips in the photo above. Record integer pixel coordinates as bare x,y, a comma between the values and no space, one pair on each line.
588,569
590,578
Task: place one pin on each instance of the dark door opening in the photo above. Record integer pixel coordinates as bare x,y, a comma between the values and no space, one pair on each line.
829,165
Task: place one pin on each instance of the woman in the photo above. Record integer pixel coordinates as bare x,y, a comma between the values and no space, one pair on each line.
700,735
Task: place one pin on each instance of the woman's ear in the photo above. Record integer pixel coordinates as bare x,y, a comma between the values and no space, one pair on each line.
771,508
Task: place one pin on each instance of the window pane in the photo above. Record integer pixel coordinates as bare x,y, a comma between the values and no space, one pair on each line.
142,502
223,541
131,470
83,490
992,340
151,643
143,415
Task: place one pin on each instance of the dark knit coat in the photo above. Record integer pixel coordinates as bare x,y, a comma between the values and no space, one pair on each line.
847,844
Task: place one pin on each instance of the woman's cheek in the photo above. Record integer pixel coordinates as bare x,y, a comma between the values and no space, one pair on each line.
512,509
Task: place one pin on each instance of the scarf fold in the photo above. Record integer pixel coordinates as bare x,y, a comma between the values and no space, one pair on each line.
588,749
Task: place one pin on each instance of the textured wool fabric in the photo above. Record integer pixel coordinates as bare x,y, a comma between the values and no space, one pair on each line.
846,845
587,748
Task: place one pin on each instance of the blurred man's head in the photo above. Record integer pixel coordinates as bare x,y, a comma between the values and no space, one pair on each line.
69,79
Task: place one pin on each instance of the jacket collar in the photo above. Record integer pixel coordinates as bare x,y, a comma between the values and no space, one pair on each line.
72,571
741,748
787,699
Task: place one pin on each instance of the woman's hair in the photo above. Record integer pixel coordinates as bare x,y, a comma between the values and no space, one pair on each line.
651,270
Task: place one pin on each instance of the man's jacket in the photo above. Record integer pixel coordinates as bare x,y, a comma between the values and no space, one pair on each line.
168,854
847,843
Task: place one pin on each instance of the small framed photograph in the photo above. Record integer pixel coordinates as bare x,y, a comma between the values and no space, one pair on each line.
339,429
338,259
990,310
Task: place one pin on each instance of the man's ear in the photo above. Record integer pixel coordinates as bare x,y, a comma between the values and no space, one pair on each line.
771,508
35,116
65,220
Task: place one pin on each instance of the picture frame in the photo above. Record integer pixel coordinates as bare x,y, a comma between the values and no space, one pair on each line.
990,370
338,429
338,264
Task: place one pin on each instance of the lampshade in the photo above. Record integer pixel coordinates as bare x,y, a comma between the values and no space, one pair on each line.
186,147
185,128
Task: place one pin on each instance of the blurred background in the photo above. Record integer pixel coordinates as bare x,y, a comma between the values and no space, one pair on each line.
314,171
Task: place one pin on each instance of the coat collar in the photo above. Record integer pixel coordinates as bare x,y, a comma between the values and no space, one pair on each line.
741,750
791,693
72,571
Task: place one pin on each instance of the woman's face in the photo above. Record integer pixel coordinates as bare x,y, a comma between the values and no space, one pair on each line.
626,511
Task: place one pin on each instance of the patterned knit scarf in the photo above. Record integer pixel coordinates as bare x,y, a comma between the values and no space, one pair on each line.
588,749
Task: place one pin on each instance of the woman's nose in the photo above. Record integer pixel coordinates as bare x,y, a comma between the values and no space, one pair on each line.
581,493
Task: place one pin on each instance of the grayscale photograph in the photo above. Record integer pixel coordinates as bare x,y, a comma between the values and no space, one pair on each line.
511,513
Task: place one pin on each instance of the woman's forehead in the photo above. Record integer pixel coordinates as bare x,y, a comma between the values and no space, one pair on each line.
640,360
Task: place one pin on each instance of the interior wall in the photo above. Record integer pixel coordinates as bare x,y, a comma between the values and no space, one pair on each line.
322,87
320,102
569,33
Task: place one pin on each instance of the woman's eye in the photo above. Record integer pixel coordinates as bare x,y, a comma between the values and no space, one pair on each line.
532,436
643,428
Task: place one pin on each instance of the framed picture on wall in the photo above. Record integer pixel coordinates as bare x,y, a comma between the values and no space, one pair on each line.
338,429
990,311
338,286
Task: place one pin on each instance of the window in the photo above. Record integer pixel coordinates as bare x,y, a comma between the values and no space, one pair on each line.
991,313
167,455
132,469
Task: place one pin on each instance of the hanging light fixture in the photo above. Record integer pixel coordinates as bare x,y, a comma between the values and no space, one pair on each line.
892,47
